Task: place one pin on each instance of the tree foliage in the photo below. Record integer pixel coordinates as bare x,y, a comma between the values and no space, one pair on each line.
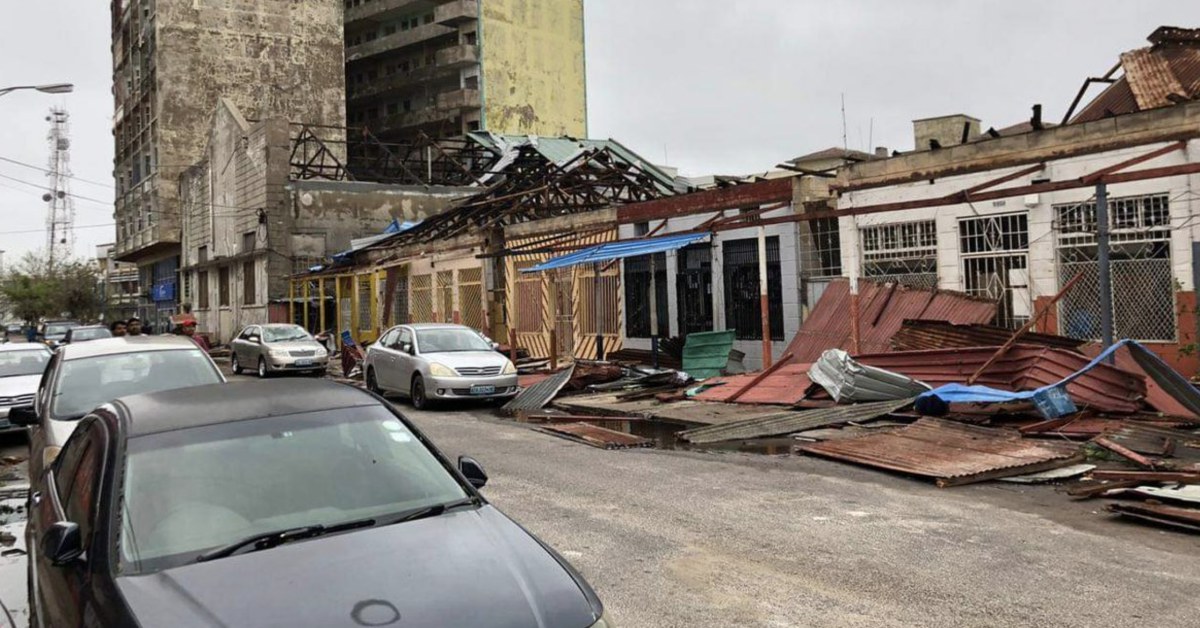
35,289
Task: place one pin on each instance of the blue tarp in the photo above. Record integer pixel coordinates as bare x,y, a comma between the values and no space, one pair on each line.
619,250
361,243
1052,401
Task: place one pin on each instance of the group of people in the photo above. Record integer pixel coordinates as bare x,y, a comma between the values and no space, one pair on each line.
185,327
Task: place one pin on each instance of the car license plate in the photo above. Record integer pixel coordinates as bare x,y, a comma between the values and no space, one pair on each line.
483,390
304,362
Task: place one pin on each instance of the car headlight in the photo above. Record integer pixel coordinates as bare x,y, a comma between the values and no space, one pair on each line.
604,622
278,353
441,370
509,368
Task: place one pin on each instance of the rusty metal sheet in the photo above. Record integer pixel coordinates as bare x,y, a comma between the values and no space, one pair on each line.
916,335
597,436
1150,75
791,422
1157,441
1023,367
1181,518
785,386
949,452
537,396
883,309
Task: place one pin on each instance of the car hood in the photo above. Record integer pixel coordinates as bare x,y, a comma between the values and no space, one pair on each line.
18,385
294,345
455,359
464,568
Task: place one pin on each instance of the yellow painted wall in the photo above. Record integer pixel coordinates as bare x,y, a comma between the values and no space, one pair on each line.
533,67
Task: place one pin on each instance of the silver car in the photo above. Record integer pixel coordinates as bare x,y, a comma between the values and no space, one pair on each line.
278,348
430,362
21,368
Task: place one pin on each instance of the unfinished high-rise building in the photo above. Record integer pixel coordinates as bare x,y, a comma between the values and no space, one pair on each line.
446,67
172,61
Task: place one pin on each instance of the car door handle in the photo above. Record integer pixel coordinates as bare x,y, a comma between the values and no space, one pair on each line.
35,498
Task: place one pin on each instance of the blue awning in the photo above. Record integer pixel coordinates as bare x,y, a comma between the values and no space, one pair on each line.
619,250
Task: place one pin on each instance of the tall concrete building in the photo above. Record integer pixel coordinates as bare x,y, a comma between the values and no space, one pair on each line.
172,61
446,67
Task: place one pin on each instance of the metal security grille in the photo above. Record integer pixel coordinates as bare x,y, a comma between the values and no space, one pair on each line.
564,310
1143,292
529,308
637,295
400,314
694,291
827,247
365,295
607,293
904,253
743,304
470,297
421,306
445,296
995,256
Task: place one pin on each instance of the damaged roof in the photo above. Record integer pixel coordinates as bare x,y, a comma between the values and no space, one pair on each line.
1163,74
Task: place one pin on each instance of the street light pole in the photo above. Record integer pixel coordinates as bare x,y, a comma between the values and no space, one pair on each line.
52,88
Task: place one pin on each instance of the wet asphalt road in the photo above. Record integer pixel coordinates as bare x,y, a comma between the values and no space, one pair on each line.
674,539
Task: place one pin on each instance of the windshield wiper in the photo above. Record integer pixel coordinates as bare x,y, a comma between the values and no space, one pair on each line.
435,510
268,540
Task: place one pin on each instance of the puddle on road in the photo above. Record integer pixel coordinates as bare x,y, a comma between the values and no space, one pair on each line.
663,434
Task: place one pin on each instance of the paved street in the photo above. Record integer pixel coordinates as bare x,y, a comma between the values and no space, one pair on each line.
696,539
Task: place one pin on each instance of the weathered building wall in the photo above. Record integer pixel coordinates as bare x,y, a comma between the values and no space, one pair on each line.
533,67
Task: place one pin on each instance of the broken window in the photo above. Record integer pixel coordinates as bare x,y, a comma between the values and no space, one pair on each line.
1143,287
637,296
693,287
743,304
904,253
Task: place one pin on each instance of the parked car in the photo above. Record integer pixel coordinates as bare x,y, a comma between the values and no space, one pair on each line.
202,507
81,376
21,368
51,333
14,328
430,362
86,333
278,348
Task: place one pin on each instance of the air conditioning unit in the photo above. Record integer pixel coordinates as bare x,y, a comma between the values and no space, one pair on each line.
1032,200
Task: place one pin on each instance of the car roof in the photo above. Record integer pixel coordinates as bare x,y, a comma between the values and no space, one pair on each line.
421,326
24,346
199,406
124,344
86,327
273,325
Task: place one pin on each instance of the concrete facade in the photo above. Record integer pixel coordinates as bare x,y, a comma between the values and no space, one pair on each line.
248,225
172,60
119,286
448,67
1152,224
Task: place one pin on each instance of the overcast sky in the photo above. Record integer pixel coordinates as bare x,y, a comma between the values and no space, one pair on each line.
709,86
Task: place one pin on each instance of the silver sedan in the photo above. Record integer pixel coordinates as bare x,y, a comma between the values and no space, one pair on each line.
430,362
278,348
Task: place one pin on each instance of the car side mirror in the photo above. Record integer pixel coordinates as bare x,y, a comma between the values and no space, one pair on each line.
23,415
63,543
473,471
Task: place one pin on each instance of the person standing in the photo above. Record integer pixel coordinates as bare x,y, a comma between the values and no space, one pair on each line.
189,329
133,327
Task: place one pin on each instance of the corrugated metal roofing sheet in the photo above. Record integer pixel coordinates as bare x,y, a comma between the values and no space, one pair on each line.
791,422
562,149
706,354
883,308
1022,367
597,436
916,335
537,396
785,386
1150,75
618,250
950,452
1182,518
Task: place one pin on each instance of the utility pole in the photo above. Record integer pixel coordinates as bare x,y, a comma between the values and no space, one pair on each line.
1106,305
60,210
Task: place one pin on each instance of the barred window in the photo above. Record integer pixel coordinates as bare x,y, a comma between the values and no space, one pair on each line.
529,303
1143,288
743,305
826,246
421,305
637,296
400,302
904,253
995,259
470,297
365,295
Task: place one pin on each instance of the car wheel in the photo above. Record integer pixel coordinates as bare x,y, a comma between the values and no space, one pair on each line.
237,368
262,368
372,383
419,400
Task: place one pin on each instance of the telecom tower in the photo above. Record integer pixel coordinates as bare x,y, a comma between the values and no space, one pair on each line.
60,210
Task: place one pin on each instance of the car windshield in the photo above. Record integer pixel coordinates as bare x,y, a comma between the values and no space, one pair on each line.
449,340
94,333
284,334
14,363
59,329
86,383
192,490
